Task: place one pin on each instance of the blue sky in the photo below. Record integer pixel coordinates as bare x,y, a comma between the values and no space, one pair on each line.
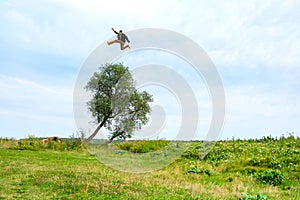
255,46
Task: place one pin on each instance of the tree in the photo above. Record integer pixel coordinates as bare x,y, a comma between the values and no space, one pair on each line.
116,104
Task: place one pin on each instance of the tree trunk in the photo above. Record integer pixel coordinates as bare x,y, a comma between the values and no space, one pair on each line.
96,131
111,139
114,136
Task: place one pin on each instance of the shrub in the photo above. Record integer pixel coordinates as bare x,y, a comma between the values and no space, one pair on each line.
74,144
270,177
3,140
35,144
26,144
194,151
142,146
54,145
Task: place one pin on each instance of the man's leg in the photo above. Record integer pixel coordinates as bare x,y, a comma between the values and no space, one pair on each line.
114,41
124,47
121,44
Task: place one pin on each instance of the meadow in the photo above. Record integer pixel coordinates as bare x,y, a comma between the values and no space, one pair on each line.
266,168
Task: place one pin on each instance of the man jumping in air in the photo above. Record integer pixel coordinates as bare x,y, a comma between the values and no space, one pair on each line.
121,39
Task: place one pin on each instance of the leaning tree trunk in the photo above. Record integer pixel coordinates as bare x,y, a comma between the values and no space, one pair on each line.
96,131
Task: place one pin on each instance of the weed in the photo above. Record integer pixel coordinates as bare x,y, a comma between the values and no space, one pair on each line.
253,197
195,170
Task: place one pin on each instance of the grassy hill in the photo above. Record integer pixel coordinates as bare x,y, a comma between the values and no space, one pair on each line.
267,168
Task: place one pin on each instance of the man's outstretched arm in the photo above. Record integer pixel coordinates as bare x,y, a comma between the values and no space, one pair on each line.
114,30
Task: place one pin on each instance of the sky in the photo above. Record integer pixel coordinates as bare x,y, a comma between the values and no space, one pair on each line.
254,45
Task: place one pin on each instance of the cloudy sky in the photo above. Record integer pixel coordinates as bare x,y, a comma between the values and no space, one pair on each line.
255,46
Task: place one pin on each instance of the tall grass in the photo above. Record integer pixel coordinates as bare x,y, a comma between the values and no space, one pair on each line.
35,144
142,146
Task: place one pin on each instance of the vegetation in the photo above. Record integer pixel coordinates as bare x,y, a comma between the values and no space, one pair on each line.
142,146
267,168
116,104
270,176
253,197
36,144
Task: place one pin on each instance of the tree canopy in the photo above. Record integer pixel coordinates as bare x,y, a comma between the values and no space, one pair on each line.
116,104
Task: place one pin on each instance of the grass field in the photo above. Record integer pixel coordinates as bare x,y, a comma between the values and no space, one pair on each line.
237,169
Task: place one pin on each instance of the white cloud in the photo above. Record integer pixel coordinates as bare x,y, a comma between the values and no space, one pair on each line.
32,105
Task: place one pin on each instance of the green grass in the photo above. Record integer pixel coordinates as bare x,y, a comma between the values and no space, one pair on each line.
233,169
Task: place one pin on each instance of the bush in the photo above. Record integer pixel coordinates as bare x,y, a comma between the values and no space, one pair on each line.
67,145
74,144
219,152
270,177
54,145
142,146
194,151
30,143
35,144
3,140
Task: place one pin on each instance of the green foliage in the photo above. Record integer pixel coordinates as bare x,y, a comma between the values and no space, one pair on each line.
67,145
26,144
195,170
142,146
270,177
253,197
268,152
193,151
116,104
35,144
73,144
